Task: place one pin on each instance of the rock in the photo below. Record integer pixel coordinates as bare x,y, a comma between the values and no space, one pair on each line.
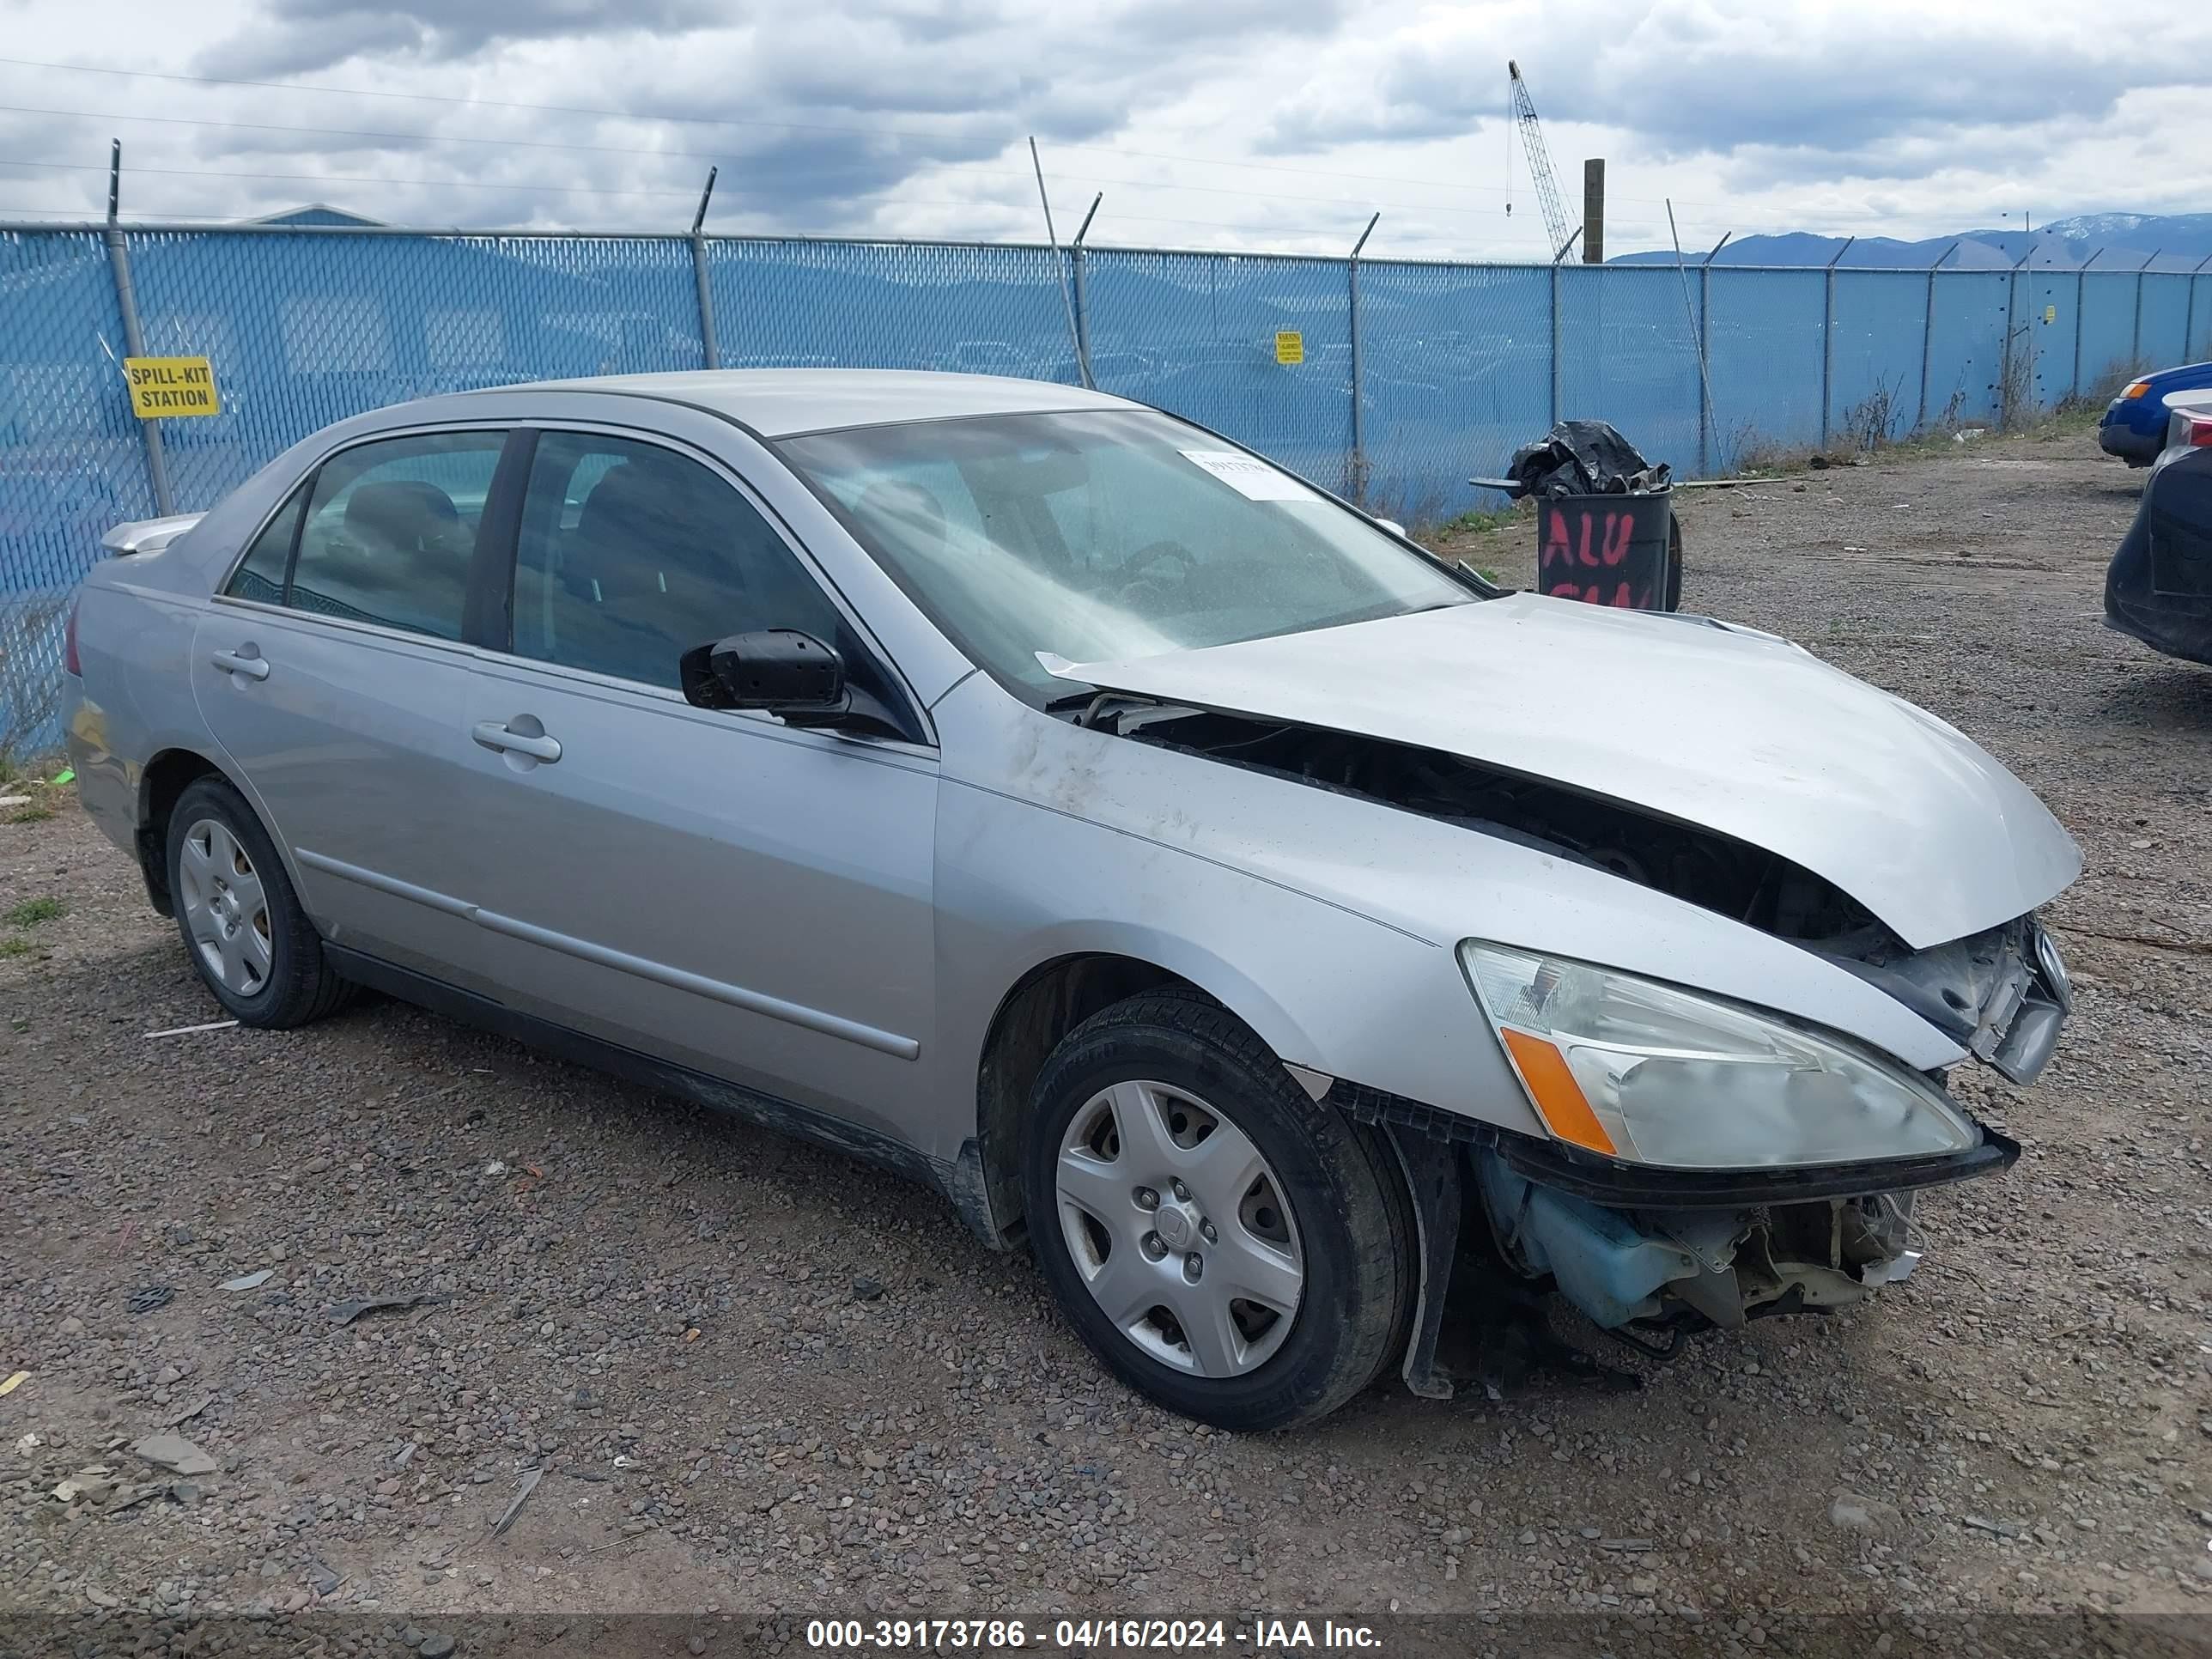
175,1454
436,1644
75,1326
866,1289
1527,1537
1861,1515
91,1484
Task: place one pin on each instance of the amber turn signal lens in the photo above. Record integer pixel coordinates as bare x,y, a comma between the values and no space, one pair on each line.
1552,1085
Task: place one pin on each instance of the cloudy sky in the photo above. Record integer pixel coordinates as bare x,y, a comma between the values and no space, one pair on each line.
1223,124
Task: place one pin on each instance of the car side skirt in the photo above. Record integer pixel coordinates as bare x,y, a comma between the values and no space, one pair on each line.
956,1182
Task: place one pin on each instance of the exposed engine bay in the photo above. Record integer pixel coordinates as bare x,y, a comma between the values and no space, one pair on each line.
1707,869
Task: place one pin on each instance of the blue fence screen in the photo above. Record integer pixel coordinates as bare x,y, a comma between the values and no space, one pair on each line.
1407,379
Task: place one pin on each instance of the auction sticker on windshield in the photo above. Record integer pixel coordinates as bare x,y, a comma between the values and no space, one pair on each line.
1249,476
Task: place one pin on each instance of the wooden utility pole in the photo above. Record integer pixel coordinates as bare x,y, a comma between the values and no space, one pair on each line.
1593,211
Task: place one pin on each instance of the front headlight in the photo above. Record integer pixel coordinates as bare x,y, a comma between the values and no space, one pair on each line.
1641,1071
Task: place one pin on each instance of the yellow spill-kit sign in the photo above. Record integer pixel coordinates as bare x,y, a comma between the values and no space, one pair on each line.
164,387
1289,346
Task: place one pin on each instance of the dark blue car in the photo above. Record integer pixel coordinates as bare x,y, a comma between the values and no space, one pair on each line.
2134,426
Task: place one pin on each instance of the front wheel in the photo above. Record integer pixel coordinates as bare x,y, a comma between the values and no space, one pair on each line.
1227,1245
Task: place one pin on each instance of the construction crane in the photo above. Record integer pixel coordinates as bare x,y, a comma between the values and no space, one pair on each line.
1558,226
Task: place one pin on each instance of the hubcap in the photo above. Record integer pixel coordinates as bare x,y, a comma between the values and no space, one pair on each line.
226,912
1179,1227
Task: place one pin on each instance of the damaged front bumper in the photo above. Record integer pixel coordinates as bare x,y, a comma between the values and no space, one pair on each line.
1718,1250
1648,1255
1649,1252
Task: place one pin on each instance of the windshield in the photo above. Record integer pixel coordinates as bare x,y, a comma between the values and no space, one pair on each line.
1105,534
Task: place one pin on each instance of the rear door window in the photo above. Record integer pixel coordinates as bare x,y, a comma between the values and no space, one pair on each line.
390,531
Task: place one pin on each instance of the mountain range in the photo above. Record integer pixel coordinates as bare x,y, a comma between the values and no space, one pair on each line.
2118,241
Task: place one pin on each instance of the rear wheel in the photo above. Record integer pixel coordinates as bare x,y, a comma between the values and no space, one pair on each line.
1226,1244
242,925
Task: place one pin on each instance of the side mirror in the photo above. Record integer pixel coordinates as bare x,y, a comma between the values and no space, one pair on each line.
779,670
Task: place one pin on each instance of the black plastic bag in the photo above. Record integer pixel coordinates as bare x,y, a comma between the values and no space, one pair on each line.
1584,458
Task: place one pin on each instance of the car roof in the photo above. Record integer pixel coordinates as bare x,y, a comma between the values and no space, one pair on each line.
778,402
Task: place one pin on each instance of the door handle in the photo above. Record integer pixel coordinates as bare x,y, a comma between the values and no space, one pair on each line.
492,734
254,668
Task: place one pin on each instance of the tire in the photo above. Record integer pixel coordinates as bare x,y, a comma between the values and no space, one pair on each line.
243,930
1177,1068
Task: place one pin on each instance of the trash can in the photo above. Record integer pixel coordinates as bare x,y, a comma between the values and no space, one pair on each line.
1621,550
1605,533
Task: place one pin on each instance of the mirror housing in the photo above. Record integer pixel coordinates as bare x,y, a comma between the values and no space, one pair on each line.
780,671
1394,527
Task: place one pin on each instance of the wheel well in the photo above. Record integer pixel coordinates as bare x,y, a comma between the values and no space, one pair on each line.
1049,1003
166,776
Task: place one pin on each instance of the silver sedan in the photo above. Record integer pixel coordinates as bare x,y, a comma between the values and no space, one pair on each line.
1309,950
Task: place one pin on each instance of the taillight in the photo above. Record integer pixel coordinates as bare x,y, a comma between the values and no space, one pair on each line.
2200,434
68,643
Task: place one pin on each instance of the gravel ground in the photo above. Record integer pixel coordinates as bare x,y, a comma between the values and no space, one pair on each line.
759,1377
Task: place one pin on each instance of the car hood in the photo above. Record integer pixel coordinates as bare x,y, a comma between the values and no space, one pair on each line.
1694,720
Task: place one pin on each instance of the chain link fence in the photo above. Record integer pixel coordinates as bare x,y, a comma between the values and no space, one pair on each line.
1392,382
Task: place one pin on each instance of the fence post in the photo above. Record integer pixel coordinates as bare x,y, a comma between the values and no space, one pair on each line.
1705,401
1078,272
1556,337
134,343
2004,350
1076,263
2135,347
1828,336
2081,316
1696,317
710,351
2189,325
1357,469
1928,335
